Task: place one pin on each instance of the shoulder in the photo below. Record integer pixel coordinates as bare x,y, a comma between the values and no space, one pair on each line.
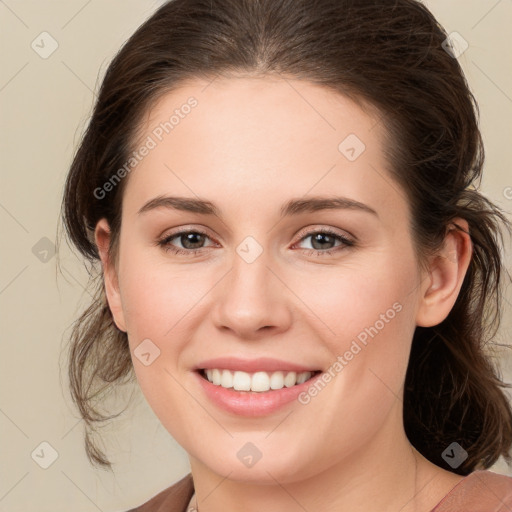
479,489
173,499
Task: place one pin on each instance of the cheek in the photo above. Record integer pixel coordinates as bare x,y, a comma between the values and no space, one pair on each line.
158,298
363,302
370,313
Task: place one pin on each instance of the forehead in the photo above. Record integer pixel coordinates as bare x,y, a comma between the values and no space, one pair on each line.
260,138
282,110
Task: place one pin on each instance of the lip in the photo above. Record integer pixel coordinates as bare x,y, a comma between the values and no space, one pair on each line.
262,364
252,403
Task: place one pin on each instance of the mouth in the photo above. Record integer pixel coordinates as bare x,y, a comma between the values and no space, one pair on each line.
256,382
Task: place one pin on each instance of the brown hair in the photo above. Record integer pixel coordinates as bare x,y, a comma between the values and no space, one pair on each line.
386,54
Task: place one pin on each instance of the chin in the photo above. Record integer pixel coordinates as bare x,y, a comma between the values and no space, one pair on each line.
265,471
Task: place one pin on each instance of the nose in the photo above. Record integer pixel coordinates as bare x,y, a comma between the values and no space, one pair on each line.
252,301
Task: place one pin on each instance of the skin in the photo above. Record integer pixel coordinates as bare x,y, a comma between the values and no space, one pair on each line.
250,145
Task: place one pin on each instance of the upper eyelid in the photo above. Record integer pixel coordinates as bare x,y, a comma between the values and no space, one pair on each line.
311,230
303,233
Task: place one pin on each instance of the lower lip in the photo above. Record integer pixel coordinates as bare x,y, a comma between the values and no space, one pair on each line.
252,403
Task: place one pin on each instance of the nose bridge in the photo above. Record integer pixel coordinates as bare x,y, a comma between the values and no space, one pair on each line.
252,297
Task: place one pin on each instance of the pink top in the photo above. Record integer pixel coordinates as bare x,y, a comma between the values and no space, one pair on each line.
480,491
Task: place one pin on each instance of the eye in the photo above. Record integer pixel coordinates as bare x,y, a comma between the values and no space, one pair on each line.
322,240
190,240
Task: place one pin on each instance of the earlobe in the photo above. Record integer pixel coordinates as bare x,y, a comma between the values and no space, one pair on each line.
441,287
102,238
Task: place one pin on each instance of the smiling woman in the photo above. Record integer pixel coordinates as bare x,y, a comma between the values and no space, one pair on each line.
299,271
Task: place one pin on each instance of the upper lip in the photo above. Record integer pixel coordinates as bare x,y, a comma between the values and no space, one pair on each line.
253,365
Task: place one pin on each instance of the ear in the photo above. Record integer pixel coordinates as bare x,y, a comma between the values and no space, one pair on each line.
102,239
441,286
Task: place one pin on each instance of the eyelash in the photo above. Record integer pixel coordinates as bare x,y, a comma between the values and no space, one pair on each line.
165,242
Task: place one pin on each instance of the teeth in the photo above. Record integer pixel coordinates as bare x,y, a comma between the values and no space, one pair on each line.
241,381
259,381
277,380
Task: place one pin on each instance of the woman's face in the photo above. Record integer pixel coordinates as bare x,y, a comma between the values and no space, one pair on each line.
260,282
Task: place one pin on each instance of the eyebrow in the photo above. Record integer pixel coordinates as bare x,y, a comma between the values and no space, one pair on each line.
291,207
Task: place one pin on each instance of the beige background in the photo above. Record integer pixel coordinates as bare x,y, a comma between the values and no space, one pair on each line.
44,105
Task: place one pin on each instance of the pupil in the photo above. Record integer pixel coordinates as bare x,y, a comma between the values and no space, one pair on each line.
318,237
189,238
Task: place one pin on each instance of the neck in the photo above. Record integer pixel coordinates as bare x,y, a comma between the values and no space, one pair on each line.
386,474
